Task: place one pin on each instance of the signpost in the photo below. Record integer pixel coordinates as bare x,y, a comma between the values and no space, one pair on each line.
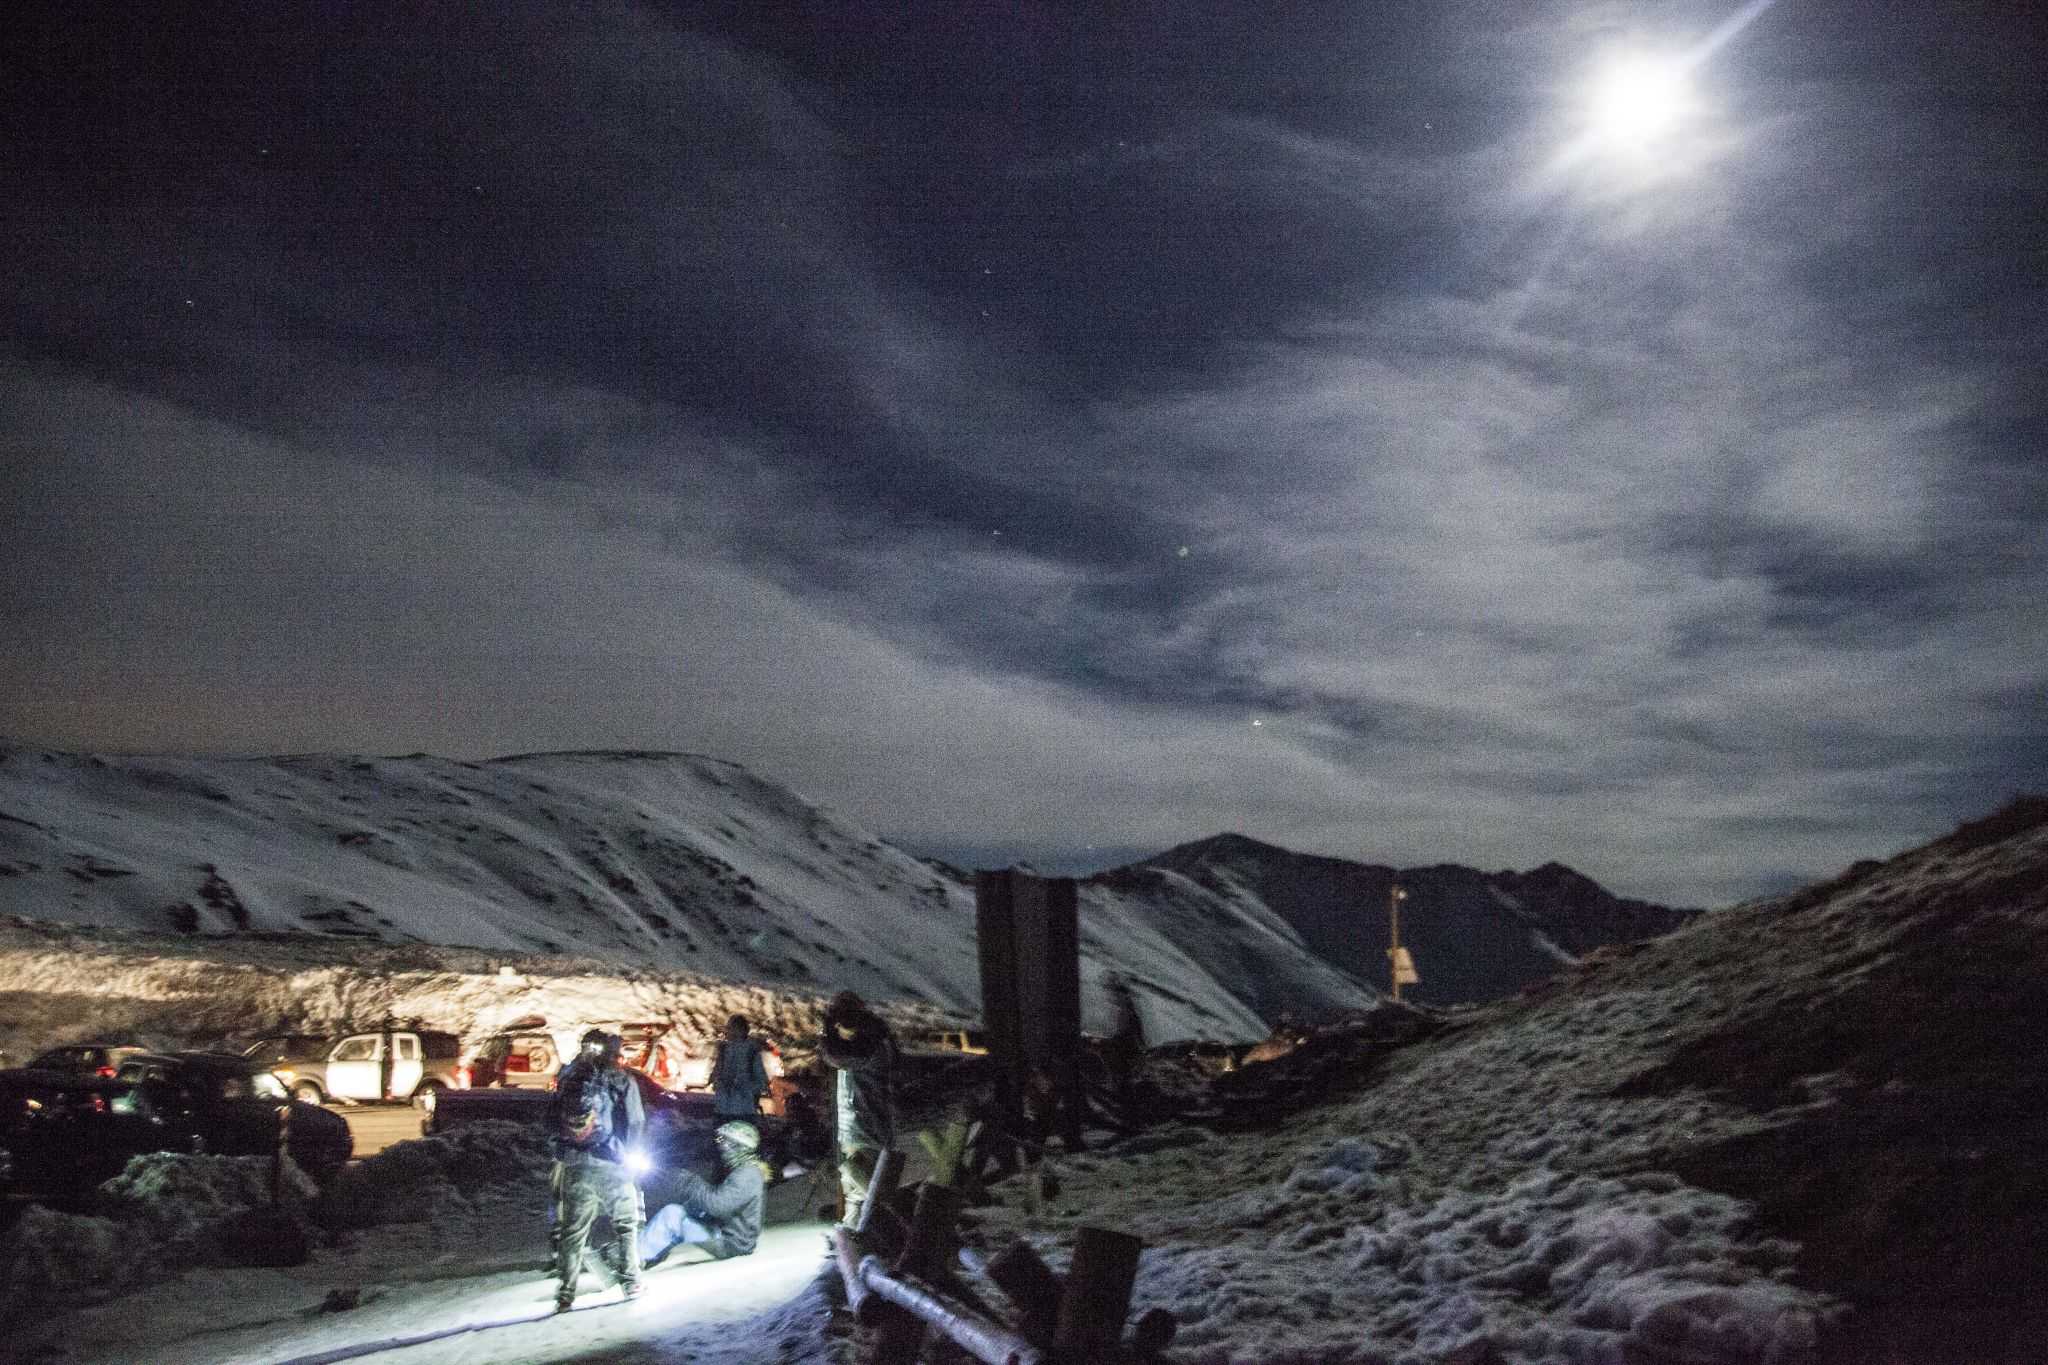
1029,938
1400,963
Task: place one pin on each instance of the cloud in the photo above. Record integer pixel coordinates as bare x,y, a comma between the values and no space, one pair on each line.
1071,457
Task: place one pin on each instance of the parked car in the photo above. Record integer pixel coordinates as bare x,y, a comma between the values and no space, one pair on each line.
297,1059
85,1059
532,1052
62,1134
525,1057
394,1064
416,1065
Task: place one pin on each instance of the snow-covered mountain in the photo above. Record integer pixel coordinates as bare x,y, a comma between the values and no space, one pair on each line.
1474,935
630,863
681,884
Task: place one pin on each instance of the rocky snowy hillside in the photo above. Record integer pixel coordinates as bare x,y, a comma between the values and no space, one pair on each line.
1474,935
592,866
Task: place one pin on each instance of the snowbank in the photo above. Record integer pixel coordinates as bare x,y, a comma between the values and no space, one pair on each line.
421,1180
165,1212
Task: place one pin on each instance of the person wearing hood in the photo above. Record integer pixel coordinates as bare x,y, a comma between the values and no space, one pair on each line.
857,1044
722,1216
739,1072
598,1120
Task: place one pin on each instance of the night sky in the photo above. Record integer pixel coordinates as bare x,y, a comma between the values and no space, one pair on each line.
1055,431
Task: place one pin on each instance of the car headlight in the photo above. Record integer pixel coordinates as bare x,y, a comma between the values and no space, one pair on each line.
638,1162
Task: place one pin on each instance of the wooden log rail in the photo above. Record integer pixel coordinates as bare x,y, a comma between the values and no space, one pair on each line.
1077,1319
986,1341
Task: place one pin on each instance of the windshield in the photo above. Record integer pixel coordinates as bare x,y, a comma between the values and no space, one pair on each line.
257,1085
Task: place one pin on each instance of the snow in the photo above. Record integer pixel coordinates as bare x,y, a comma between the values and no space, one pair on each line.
1507,1189
677,882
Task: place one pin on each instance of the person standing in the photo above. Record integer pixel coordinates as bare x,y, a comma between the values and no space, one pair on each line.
598,1119
739,1072
857,1043
722,1216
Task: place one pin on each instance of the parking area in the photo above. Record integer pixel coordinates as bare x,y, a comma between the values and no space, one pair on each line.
377,1126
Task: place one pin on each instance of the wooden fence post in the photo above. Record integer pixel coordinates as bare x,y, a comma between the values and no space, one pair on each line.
1097,1296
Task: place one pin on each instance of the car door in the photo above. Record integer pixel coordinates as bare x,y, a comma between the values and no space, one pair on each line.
353,1067
407,1065
233,1117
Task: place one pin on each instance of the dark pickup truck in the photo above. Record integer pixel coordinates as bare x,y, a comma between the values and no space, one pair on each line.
679,1123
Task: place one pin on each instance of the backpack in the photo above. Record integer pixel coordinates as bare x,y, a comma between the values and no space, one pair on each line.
583,1110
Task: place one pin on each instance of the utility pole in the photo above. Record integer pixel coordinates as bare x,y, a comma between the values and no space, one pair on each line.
1400,963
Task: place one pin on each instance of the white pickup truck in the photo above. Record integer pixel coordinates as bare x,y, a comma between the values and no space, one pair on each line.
391,1064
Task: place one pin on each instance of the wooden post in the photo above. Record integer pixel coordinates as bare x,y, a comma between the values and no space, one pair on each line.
847,1253
888,1171
1028,1282
931,1228
278,1157
1097,1295
1154,1331
1028,936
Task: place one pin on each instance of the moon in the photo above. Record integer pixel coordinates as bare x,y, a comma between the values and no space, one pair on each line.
1636,100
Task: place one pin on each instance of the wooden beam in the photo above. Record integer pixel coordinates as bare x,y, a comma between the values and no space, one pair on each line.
986,1341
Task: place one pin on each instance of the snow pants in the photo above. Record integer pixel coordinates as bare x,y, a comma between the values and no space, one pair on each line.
592,1186
670,1228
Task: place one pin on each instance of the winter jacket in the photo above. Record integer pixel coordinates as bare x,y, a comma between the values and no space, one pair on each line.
597,1110
866,1063
739,1077
731,1207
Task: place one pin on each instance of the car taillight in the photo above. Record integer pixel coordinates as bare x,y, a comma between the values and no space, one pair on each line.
104,1071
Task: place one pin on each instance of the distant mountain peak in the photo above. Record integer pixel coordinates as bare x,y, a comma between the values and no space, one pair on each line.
1226,844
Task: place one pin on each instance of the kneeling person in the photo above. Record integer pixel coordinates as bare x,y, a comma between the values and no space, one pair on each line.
723,1216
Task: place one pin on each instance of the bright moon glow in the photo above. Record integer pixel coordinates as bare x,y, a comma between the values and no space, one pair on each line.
1638,99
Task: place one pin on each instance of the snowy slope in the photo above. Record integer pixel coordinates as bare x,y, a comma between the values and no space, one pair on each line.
630,863
1474,935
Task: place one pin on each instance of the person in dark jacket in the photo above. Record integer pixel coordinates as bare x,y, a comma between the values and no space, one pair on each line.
598,1120
722,1216
857,1043
739,1072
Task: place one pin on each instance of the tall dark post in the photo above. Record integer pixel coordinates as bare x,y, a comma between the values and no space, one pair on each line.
1030,945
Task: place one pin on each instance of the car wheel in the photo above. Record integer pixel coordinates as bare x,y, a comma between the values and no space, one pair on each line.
306,1092
428,1096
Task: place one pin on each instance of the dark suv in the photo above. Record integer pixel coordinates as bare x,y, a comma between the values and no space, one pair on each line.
62,1134
231,1106
85,1059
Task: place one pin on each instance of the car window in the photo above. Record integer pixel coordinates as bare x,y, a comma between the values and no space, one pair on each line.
233,1088
406,1047
265,1086
362,1049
